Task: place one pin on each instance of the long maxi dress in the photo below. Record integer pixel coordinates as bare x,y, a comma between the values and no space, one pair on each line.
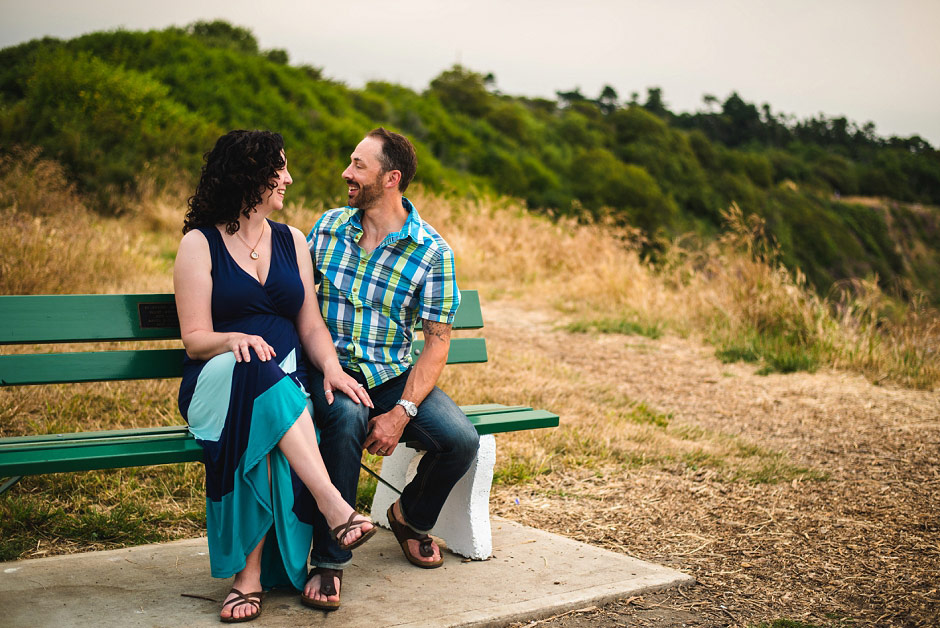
238,412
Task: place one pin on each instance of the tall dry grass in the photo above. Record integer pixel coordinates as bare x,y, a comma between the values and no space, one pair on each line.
732,292
57,245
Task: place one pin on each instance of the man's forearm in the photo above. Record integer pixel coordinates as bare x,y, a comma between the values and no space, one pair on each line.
386,429
430,363
426,371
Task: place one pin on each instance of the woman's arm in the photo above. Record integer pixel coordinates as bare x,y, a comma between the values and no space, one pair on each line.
192,283
314,335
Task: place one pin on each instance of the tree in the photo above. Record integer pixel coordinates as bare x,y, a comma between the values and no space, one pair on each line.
742,119
570,97
654,102
221,34
607,101
462,90
277,55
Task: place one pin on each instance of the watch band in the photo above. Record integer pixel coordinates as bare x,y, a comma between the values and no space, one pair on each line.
410,408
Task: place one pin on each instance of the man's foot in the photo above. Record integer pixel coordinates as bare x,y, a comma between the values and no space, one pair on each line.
419,549
239,607
322,590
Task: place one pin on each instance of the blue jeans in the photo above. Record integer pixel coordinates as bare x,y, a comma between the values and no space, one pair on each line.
440,427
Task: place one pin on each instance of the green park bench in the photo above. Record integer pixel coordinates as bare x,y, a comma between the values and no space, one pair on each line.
54,319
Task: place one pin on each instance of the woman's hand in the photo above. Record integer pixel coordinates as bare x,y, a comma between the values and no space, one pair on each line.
239,344
342,382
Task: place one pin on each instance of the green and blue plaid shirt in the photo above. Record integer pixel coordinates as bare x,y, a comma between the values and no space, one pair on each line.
372,301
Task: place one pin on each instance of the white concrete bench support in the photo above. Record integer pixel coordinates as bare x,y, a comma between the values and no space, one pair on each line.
464,523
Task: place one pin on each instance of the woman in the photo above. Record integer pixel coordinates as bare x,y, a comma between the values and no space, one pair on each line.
248,314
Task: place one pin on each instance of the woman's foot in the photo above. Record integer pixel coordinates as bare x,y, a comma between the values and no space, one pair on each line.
322,590
349,528
356,531
239,607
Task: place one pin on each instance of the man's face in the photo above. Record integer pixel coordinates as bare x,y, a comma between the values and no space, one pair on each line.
364,174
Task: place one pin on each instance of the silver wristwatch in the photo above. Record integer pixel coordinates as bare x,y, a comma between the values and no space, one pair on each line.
410,408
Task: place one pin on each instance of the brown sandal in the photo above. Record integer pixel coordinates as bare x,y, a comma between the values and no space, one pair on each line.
403,534
243,598
339,532
326,588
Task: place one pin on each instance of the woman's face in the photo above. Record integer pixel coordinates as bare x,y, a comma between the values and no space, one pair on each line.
274,199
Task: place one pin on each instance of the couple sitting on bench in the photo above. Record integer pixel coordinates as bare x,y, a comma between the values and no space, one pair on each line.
256,301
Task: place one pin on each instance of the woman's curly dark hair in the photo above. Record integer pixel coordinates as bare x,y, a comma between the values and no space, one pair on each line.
237,169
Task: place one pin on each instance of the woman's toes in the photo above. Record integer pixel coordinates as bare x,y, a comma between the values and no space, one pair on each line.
226,608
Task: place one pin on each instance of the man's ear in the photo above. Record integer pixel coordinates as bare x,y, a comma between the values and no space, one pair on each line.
392,178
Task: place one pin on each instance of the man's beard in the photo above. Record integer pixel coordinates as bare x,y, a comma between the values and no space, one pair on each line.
367,196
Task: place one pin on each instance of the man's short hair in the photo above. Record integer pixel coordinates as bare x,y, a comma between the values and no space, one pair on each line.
398,153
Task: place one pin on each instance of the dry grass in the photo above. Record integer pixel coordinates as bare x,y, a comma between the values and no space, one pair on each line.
58,245
731,292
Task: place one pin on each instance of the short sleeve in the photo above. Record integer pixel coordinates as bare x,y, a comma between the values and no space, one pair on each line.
440,295
312,246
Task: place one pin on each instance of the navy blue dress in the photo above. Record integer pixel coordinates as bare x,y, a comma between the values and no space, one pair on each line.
238,411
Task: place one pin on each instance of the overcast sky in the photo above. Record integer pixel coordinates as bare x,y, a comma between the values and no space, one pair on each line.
874,60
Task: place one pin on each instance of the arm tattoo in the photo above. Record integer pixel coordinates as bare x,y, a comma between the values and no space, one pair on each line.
430,328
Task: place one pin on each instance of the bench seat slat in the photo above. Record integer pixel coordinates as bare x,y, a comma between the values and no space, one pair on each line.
17,441
491,408
85,451
99,455
514,421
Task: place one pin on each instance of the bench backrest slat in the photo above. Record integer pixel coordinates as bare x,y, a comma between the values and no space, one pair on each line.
99,366
38,319
85,366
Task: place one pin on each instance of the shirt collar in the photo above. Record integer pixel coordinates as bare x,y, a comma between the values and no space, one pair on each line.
411,229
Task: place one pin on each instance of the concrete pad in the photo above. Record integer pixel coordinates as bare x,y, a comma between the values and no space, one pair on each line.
532,574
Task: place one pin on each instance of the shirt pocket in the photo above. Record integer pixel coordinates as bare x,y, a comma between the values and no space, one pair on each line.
396,285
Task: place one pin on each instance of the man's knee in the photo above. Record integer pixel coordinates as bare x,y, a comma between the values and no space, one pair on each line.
466,443
344,418
460,437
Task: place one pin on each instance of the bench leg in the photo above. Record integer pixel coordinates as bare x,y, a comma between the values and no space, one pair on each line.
464,523
9,483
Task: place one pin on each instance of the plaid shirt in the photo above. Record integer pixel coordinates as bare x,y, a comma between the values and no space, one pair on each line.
371,301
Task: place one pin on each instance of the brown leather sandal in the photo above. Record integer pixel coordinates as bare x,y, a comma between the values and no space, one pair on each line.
327,588
403,534
339,532
243,598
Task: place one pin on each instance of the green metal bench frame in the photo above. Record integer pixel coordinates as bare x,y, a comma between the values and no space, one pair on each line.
55,319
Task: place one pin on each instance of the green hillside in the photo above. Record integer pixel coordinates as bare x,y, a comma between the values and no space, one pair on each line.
123,111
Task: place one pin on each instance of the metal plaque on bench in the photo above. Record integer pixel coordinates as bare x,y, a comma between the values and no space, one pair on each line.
157,315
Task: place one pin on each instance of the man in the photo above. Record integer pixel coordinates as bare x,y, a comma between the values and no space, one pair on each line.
380,268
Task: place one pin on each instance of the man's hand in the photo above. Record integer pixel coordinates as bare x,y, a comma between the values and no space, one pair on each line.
385,430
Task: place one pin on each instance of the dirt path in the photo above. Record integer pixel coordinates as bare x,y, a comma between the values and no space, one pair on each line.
859,547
